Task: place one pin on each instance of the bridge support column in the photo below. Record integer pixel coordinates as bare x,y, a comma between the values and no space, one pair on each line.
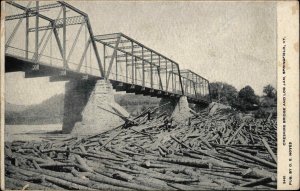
181,112
90,108
77,93
178,108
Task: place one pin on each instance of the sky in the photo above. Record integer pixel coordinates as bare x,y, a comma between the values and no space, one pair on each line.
222,41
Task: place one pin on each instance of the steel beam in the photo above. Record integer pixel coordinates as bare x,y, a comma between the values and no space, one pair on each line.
143,67
26,36
73,8
123,55
197,85
24,8
45,44
64,37
151,72
166,76
37,32
112,59
55,32
114,42
46,6
129,53
83,55
117,65
95,46
37,57
60,23
209,97
132,70
17,26
168,80
104,58
74,44
126,68
186,83
129,47
158,71
172,77
20,16
107,36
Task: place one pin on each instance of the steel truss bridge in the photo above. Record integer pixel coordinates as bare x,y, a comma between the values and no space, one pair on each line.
57,40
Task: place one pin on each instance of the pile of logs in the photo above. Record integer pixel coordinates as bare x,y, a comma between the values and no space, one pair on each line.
221,151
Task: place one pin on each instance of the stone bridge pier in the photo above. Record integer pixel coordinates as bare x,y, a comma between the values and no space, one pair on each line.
90,107
178,109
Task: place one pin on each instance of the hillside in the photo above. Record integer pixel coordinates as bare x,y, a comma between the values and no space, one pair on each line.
135,104
49,111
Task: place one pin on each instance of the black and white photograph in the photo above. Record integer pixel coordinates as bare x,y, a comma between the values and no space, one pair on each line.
140,95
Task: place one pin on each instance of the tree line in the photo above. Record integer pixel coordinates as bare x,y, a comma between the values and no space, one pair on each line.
245,99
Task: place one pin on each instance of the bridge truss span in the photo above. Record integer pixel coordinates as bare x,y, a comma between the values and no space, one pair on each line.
63,39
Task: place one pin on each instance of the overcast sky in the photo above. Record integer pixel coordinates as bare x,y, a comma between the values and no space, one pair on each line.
222,41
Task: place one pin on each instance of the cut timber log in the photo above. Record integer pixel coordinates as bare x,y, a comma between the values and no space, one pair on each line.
84,182
257,182
107,180
163,176
187,162
123,176
269,149
152,182
182,186
83,164
20,184
259,173
267,163
59,180
234,134
195,156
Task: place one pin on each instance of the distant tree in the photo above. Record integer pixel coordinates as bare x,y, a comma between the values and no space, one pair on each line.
270,91
247,94
270,96
223,91
247,100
